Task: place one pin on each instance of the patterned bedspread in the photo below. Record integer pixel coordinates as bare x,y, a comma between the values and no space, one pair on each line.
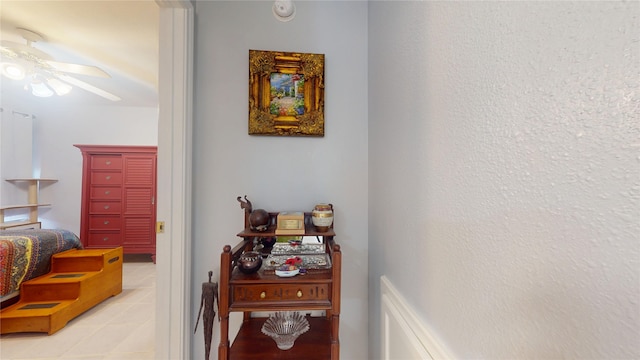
26,254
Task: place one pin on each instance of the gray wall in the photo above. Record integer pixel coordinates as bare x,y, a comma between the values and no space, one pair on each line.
503,174
281,173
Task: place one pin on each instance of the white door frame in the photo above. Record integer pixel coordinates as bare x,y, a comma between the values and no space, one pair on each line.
173,247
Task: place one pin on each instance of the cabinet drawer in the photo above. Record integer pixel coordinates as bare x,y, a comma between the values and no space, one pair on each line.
106,178
104,223
271,293
105,162
105,207
110,193
98,239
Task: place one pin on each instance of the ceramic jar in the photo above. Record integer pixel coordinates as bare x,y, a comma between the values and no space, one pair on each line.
259,220
250,262
322,217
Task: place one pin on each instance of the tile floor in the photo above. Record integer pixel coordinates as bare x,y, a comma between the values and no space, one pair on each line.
119,328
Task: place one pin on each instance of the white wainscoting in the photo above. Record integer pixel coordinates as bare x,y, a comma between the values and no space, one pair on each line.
404,337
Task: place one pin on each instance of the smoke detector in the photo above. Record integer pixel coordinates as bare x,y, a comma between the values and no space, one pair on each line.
284,10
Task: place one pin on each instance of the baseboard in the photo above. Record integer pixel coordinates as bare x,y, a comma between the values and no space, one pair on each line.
403,335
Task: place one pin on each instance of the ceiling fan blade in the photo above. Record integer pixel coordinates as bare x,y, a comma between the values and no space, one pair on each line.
78,69
88,87
24,51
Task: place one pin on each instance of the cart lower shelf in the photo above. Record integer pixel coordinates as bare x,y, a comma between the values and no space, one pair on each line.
251,343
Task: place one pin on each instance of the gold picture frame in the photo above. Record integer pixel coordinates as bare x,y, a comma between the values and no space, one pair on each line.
286,93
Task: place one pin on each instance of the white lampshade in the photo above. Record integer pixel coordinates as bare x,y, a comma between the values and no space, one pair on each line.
59,87
38,88
13,71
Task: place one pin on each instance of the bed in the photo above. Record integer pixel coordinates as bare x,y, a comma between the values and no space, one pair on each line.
26,254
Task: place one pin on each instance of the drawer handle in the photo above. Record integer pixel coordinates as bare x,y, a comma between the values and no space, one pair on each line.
108,162
107,192
105,239
106,222
108,177
106,207
299,293
263,295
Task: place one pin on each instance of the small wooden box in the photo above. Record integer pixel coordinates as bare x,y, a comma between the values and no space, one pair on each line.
290,223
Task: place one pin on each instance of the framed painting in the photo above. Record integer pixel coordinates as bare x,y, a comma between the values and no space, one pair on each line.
286,93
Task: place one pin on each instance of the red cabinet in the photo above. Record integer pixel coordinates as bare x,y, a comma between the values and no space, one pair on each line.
118,197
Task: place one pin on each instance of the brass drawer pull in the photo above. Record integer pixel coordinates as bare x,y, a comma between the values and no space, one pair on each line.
106,222
106,207
108,162
299,293
263,295
108,177
105,239
107,192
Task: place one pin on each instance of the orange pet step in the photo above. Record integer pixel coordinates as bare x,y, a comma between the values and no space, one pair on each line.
78,280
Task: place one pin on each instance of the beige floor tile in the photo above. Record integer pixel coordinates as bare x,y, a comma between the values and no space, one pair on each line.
141,341
103,341
119,328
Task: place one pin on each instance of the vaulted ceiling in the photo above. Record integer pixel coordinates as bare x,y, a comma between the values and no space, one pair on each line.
120,37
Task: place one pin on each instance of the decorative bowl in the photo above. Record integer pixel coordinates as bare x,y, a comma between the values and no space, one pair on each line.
287,270
287,273
284,327
250,262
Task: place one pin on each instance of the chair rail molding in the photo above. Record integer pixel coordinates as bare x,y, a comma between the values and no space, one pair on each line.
403,335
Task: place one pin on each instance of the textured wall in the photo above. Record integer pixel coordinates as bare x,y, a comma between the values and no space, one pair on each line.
510,167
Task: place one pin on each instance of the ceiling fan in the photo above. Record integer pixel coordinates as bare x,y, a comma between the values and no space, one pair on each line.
45,75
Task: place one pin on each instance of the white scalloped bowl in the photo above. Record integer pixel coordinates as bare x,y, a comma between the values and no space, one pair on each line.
284,327
287,273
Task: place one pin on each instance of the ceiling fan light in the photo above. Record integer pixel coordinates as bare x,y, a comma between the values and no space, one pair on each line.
59,87
38,88
13,71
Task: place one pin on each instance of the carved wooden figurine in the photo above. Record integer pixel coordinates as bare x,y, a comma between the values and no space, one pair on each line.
209,296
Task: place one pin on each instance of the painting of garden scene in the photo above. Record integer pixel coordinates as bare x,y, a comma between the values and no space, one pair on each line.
287,94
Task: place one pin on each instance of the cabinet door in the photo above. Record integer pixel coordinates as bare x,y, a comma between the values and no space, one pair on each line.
139,208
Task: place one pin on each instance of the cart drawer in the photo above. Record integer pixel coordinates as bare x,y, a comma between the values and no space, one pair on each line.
289,292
